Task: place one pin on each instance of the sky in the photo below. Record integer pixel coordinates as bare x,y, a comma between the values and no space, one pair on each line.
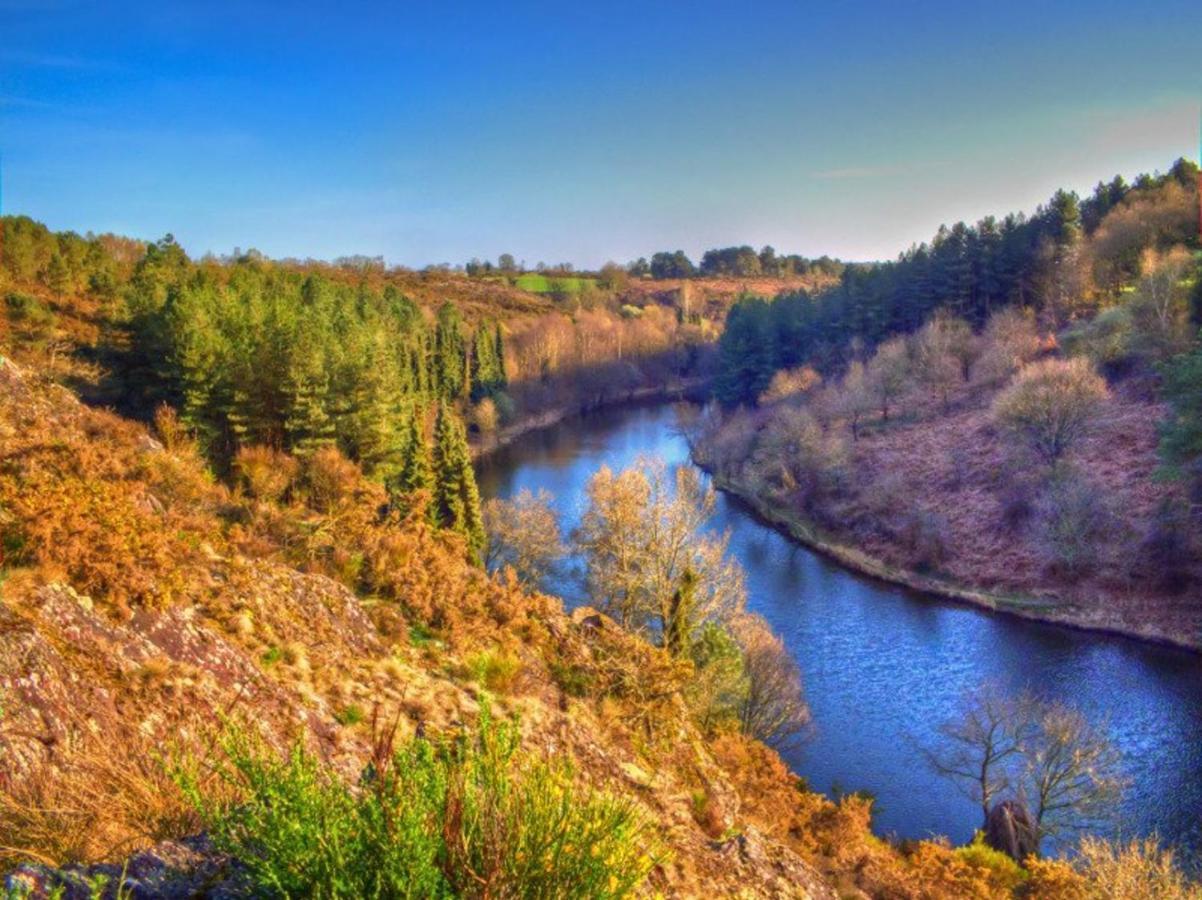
581,132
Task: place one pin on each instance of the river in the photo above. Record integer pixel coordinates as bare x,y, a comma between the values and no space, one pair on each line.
884,667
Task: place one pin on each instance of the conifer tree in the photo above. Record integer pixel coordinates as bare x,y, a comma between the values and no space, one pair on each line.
307,422
488,367
456,497
449,352
416,472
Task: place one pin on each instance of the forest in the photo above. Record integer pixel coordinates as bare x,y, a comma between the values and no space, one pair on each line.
1010,409
288,495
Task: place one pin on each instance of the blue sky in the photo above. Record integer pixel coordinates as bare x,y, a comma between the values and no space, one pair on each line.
581,132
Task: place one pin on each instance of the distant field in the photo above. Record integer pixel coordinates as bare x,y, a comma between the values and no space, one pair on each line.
542,284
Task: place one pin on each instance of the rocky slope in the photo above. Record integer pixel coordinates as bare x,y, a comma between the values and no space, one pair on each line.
97,691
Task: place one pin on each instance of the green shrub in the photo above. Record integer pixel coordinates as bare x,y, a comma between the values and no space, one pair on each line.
271,656
28,311
494,669
349,715
573,680
981,855
465,817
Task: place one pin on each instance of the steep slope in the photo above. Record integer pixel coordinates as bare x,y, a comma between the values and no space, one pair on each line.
133,618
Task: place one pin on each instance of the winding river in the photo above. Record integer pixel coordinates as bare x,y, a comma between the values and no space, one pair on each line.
883,667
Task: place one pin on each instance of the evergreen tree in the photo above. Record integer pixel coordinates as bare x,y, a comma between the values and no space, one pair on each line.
746,353
58,276
488,367
456,497
450,351
307,423
416,472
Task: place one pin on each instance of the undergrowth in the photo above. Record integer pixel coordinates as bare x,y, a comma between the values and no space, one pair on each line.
449,817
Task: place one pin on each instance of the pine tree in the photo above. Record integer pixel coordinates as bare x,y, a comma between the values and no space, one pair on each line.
307,422
58,277
449,352
416,472
488,368
456,497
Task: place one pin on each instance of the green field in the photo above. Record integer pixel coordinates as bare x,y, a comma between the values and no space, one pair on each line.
537,283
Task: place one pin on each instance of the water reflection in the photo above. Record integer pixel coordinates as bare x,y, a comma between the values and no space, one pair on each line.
884,668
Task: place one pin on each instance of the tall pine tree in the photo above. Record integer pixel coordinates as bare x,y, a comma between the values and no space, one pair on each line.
456,497
416,472
450,352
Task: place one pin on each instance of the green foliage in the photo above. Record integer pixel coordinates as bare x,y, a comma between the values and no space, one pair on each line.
466,817
257,354
488,361
538,283
351,714
966,271
746,355
981,855
456,497
450,353
416,473
29,313
494,669
1181,435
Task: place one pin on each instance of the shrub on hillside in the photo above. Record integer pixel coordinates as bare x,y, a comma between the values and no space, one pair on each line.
794,456
1072,522
265,473
1010,340
466,817
329,479
789,384
1050,405
924,538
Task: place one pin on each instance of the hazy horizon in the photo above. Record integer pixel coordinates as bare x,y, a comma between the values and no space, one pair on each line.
578,135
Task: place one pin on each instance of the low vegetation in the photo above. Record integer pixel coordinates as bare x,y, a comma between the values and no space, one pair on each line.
462,816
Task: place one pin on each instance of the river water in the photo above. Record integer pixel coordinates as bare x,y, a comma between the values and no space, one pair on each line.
884,667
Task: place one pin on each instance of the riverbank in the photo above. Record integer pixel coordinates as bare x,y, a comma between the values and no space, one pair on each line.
1047,610
677,389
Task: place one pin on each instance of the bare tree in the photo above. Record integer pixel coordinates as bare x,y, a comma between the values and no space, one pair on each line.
773,707
854,399
982,744
943,353
650,563
1071,774
1010,340
523,533
1051,404
1044,756
788,384
889,373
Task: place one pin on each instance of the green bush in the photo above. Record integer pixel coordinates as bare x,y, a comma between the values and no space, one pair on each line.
462,817
28,311
981,855
494,669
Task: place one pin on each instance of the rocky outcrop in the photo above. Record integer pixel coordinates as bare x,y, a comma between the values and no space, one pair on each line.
1011,830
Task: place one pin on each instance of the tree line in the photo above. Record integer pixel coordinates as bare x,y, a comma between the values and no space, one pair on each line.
1065,261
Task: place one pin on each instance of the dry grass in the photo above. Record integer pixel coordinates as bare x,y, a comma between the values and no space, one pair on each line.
104,803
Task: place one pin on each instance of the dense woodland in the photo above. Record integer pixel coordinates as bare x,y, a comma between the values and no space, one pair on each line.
1066,261
314,420
298,357
1012,408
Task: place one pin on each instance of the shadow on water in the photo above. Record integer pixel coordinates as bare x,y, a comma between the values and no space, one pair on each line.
885,667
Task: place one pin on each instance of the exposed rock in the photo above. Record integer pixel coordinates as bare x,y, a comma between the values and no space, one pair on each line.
1011,830
170,870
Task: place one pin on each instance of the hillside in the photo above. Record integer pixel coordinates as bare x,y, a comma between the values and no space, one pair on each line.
943,502
1007,415
142,603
